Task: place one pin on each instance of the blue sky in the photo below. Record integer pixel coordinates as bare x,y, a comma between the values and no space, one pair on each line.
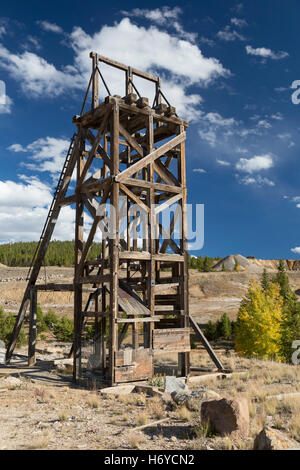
228,67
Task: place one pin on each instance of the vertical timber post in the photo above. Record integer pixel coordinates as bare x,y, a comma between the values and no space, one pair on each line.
95,80
114,242
32,327
78,255
184,271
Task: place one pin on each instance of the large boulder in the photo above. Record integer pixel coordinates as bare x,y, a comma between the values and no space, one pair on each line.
174,384
227,416
272,439
192,400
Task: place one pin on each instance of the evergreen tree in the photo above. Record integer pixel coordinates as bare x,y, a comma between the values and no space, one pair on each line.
281,278
224,327
211,331
207,264
290,327
264,280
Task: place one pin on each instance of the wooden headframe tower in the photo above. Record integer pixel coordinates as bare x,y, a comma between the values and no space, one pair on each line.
129,160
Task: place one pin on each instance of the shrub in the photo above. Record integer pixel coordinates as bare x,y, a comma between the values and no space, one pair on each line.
51,319
64,329
40,321
7,323
258,329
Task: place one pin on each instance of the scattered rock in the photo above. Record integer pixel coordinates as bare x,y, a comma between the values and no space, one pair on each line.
118,390
227,416
174,384
192,400
64,365
272,439
10,382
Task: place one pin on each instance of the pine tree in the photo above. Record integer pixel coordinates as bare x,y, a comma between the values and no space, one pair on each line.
290,327
282,279
264,280
211,331
223,268
224,327
207,264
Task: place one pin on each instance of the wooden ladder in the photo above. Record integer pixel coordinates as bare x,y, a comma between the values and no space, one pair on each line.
40,252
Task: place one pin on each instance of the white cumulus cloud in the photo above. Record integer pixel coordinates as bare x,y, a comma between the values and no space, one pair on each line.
254,164
46,154
266,53
52,27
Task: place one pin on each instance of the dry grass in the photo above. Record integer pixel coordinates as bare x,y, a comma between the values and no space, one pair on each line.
39,443
155,407
135,440
184,414
138,399
63,415
93,401
142,419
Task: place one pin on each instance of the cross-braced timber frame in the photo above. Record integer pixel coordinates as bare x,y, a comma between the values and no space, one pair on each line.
136,288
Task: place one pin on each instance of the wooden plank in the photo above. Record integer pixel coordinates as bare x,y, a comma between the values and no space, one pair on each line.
163,287
167,204
172,340
168,257
119,65
54,287
135,255
147,184
126,357
141,368
152,156
137,320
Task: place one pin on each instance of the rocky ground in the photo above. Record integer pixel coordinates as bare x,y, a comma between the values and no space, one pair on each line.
42,410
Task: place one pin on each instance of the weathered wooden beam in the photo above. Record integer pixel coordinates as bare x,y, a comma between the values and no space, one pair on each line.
32,328
134,198
151,157
131,141
147,184
54,287
206,344
137,320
